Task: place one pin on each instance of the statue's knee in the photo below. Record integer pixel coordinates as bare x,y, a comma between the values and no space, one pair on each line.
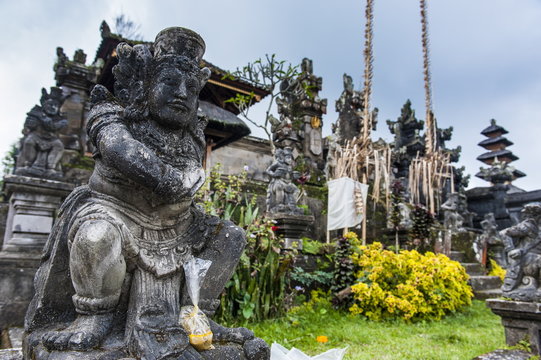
96,238
97,264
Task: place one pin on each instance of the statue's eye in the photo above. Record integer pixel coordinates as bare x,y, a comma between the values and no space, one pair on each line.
192,85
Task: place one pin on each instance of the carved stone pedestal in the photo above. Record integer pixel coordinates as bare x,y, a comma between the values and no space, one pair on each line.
33,203
292,228
521,320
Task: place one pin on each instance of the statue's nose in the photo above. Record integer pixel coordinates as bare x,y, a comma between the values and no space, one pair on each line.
181,91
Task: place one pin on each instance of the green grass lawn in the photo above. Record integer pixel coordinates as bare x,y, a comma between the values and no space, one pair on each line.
463,335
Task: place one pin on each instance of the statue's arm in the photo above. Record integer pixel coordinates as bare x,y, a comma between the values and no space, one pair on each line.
271,170
120,150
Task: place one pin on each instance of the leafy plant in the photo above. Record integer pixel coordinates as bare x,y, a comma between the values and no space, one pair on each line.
496,270
265,73
408,285
344,270
308,279
420,233
258,286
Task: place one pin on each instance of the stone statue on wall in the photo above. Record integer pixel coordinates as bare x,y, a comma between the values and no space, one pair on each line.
453,222
113,279
350,111
41,150
282,193
301,110
523,246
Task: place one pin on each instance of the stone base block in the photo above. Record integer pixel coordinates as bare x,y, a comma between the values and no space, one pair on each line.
16,286
521,320
292,228
33,204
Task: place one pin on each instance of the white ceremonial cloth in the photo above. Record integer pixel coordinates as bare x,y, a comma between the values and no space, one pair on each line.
341,212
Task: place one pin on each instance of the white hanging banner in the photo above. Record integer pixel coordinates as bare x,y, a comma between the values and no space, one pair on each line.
342,212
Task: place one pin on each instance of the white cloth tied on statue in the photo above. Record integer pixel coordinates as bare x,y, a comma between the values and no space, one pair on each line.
278,352
342,212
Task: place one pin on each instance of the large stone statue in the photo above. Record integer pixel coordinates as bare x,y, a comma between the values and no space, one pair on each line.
112,284
523,246
41,149
282,193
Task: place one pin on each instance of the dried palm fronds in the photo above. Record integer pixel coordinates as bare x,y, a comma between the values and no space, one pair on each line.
428,177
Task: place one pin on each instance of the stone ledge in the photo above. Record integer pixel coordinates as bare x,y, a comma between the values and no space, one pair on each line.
37,185
505,355
11,354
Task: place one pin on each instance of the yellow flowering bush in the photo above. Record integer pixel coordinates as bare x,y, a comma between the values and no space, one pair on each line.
496,270
407,285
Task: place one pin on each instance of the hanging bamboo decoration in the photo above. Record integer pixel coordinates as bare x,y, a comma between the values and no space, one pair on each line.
368,70
430,120
361,159
429,174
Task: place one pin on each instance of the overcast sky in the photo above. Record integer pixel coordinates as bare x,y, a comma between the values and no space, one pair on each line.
486,56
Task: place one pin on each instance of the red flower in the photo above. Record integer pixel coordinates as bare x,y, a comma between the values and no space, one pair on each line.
274,228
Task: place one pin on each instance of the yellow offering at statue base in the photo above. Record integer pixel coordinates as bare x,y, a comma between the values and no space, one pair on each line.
196,324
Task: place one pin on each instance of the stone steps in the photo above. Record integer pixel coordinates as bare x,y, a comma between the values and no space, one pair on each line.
457,256
483,286
488,294
474,269
485,282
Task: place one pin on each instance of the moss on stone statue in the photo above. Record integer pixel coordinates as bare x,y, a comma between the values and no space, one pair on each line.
80,162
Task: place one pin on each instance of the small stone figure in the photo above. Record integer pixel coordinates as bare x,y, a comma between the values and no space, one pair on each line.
41,149
111,284
452,220
523,246
282,193
489,244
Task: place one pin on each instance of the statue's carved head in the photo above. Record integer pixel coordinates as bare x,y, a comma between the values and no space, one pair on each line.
51,102
162,81
532,210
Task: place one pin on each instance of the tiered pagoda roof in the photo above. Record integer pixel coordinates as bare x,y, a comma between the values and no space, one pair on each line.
497,156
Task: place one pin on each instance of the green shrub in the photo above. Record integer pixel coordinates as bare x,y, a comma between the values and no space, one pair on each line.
258,287
344,274
407,285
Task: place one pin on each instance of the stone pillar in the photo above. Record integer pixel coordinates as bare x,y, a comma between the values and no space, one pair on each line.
33,204
521,320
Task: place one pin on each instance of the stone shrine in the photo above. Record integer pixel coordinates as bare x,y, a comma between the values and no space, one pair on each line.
301,110
111,283
282,198
350,113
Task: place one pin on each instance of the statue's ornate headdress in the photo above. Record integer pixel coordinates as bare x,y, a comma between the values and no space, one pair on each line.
174,46
55,94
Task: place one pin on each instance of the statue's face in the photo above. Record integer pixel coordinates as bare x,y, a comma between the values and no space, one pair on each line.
288,159
50,107
173,97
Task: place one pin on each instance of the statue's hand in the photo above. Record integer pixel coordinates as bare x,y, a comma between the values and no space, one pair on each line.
515,254
177,185
194,180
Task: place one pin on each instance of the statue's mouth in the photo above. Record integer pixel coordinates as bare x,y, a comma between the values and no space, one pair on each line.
178,105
